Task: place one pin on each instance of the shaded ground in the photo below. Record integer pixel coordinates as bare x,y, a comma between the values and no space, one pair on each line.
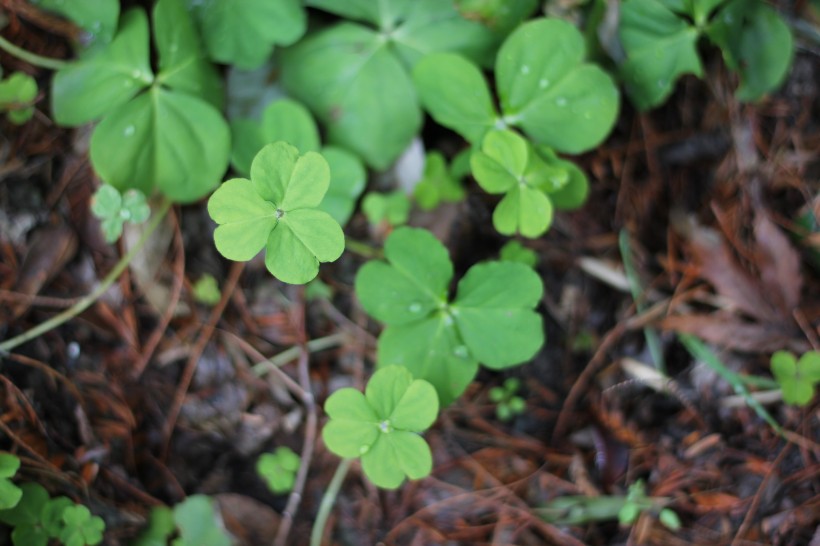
149,395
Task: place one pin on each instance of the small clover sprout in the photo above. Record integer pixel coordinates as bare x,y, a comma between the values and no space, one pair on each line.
277,209
438,183
382,426
10,494
278,469
491,320
508,403
797,378
81,528
160,526
199,523
390,208
114,209
206,290
513,251
17,93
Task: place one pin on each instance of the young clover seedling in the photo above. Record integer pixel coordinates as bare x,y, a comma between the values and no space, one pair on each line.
278,469
198,523
797,378
513,251
17,93
81,528
10,494
491,320
277,209
206,290
438,183
382,426
36,519
390,208
114,209
508,403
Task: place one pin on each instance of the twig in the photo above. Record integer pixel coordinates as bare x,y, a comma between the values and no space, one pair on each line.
266,365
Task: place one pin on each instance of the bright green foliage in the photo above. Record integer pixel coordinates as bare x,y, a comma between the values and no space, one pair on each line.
660,40
10,494
278,469
500,15
513,251
545,88
438,184
277,209
36,519
392,208
797,378
244,32
317,290
206,290
491,320
197,522
756,42
347,181
162,131
97,17
114,209
355,78
17,92
382,426
508,403
160,526
80,527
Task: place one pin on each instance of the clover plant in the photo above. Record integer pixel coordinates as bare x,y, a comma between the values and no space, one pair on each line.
797,378
513,251
507,402
278,209
195,520
355,76
37,519
244,32
278,469
660,39
290,121
439,183
391,208
490,321
162,131
17,94
10,494
114,209
98,18
543,83
206,290
382,426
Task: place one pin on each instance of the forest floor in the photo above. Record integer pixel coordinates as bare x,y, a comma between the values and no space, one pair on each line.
150,395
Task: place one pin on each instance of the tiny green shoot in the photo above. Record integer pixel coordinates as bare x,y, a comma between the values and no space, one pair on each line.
10,494
115,209
508,403
17,94
514,251
278,469
206,290
797,378
438,183
392,209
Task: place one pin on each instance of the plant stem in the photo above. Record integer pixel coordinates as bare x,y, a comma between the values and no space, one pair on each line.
328,500
86,301
314,345
362,249
31,58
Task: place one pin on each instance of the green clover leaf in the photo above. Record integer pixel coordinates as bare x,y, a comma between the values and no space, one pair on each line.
160,526
279,469
382,426
81,528
797,378
10,494
277,209
392,208
198,523
545,88
17,92
491,319
514,251
97,17
437,183
206,290
114,209
26,516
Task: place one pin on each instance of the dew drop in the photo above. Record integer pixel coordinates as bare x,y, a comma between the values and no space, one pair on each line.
461,351
363,450
136,74
525,69
561,101
130,130
384,426
414,307
128,83
125,214
173,48
661,84
543,83
96,26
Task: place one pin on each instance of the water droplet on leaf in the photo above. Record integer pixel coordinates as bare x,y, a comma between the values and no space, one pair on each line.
525,69
364,449
561,101
543,83
384,426
130,130
414,307
461,351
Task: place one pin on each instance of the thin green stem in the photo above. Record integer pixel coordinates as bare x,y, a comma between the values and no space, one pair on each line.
291,354
362,249
31,58
86,301
328,500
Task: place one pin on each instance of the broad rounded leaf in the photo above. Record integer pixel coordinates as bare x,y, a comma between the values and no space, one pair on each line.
106,201
523,210
17,92
386,388
246,141
412,454
347,181
417,409
809,366
354,84
455,93
353,425
282,176
288,120
172,141
30,507
245,219
243,32
547,90
97,17
573,193
660,47
302,239
198,523
381,464
116,74
784,365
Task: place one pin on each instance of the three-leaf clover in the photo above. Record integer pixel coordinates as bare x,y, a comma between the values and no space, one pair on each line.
438,183
508,403
10,494
114,209
382,426
81,528
544,85
797,378
278,209
491,319
162,130
206,290
513,251
27,516
17,92
198,523
279,469
392,208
